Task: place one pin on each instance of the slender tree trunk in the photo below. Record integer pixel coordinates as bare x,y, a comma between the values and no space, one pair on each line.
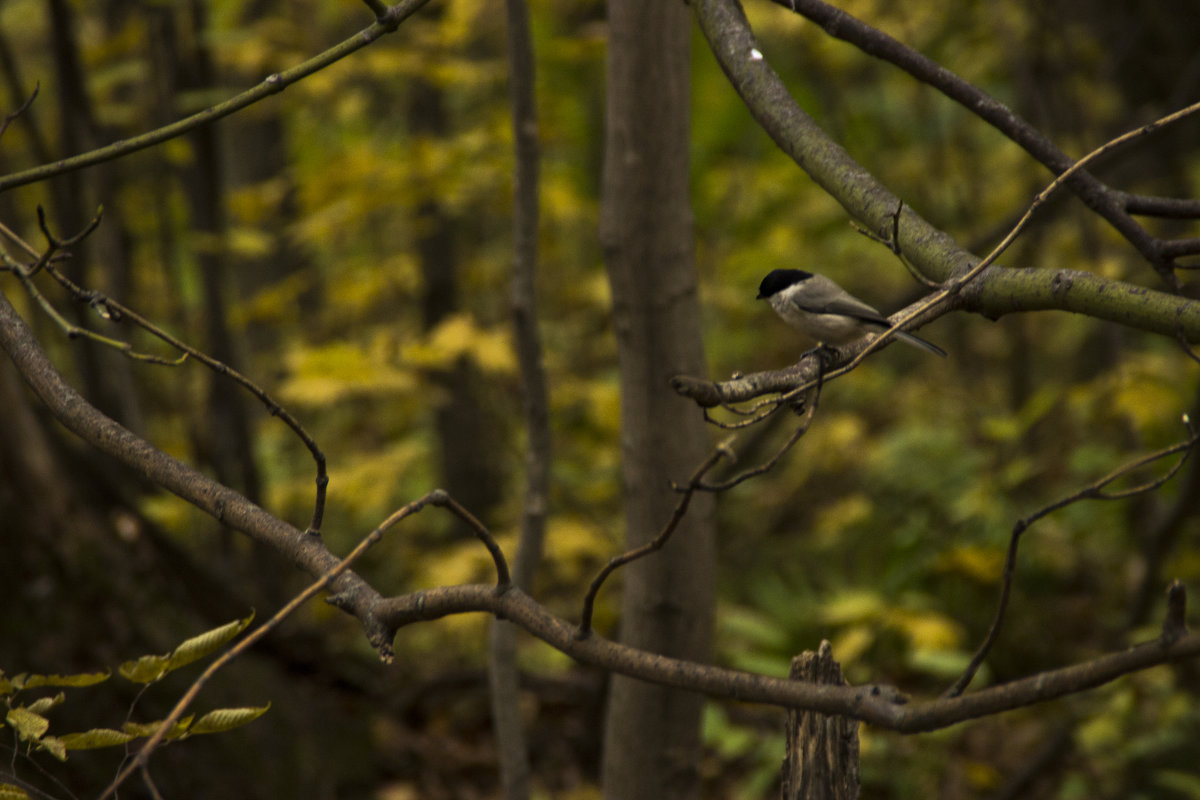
652,738
504,677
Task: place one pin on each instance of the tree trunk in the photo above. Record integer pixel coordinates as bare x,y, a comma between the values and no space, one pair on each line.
652,741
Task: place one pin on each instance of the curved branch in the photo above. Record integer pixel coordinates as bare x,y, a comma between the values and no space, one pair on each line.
215,499
878,705
382,618
272,84
1093,491
933,252
1114,206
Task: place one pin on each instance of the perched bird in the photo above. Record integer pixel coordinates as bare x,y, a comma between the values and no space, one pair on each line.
825,312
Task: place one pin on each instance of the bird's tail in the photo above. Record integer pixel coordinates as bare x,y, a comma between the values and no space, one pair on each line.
917,341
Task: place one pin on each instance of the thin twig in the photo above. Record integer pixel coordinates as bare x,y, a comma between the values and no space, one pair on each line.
957,284
440,497
1093,491
1113,205
116,312
766,466
616,562
143,755
12,115
272,84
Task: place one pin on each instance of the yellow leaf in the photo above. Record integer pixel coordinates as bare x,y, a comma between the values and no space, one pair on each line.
456,337
324,375
852,606
984,564
926,630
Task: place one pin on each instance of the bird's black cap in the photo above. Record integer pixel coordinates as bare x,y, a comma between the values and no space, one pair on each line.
779,279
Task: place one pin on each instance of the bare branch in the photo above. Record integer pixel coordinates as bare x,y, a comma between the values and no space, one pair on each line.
930,250
272,84
142,758
116,312
12,115
220,502
655,544
1112,205
878,705
439,497
1093,491
378,8
766,466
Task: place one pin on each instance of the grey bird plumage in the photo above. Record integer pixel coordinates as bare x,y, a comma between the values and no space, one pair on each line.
825,312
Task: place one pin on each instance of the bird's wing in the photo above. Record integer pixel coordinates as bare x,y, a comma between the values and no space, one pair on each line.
841,304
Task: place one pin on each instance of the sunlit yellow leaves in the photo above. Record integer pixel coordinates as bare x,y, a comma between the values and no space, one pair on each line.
250,242
459,336
852,643
982,564
926,630
464,561
862,614
226,719
387,283
1147,391
149,668
577,547
374,480
842,513
31,681
338,370
96,737
280,300
259,203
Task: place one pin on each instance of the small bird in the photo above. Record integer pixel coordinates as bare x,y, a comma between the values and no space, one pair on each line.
824,311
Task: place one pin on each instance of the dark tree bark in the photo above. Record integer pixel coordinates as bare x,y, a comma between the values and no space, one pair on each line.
652,734
101,260
503,675
822,751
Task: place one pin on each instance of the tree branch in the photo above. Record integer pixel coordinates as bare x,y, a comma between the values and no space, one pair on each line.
933,252
1093,491
878,705
272,84
1114,206
220,502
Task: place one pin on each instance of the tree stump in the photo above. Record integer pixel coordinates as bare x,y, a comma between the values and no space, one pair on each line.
822,751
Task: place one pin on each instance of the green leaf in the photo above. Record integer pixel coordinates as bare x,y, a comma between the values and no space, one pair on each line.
44,704
146,669
77,679
206,643
96,737
28,724
10,685
148,729
54,746
226,719
10,792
